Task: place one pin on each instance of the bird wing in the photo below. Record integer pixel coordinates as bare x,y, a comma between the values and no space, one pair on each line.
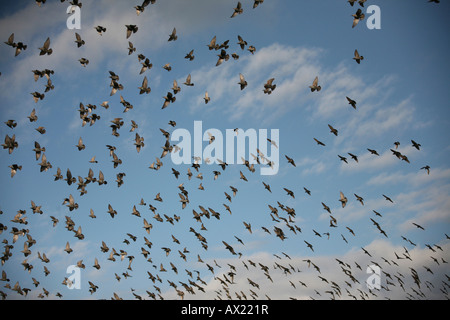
316,81
47,44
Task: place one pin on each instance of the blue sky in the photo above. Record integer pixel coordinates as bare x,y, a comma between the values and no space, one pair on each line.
402,94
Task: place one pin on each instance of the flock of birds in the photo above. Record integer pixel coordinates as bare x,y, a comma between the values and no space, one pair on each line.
283,217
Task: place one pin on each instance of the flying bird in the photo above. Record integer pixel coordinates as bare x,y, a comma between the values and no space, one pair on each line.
315,85
309,245
353,156
415,145
360,199
14,168
188,81
190,56
357,57
80,145
20,46
131,48
223,56
257,3
388,199
84,62
427,168
206,97
68,249
248,226
241,42
289,192
290,160
357,17
144,88
111,211
237,10
212,44
37,96
308,192
100,30
141,8
242,81
131,28
45,49
320,143
173,36
333,130
344,159
78,40
229,248
33,117
351,102
418,226
343,199
169,98
269,87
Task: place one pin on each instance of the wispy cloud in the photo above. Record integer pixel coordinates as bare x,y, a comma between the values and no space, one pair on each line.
338,276
290,66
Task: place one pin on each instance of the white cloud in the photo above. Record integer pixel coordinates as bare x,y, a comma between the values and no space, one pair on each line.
331,270
316,168
418,178
367,162
425,206
291,67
